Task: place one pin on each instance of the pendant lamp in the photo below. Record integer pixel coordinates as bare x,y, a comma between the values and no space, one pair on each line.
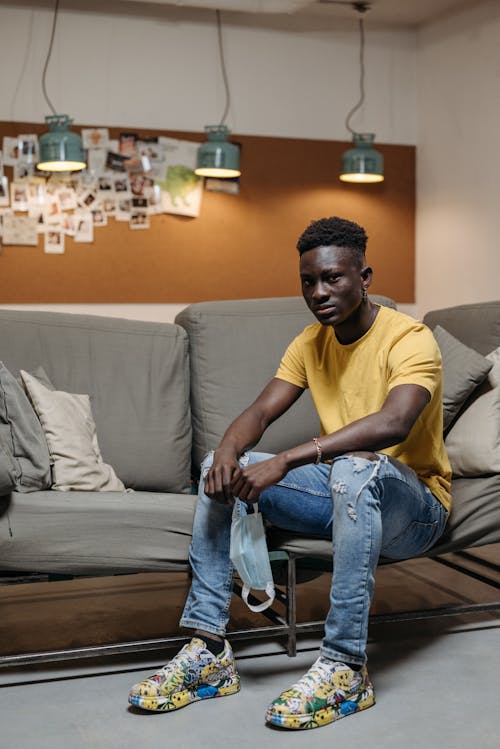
218,157
362,163
60,150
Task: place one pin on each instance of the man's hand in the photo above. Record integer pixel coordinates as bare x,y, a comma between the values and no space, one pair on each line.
250,481
221,474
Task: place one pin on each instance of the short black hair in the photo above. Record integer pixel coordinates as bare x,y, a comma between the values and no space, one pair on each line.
333,232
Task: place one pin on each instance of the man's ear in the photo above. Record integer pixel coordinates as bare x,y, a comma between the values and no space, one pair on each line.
367,275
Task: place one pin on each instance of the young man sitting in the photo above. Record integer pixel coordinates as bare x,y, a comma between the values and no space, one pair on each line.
376,481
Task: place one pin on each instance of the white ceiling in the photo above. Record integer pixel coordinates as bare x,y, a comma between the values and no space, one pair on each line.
408,13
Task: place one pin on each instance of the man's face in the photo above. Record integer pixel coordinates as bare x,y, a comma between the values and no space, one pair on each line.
332,283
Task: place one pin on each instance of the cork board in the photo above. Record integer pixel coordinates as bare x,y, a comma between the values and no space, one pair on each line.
240,246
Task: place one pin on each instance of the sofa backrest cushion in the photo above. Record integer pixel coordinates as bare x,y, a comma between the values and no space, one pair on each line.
476,325
235,349
137,376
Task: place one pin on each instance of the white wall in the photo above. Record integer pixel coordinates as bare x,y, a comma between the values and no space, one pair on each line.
458,159
162,70
158,67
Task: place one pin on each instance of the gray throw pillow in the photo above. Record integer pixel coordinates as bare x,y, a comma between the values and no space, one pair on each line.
463,370
22,437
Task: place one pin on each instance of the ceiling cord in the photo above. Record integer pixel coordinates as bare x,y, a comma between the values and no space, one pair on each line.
44,89
361,77
223,67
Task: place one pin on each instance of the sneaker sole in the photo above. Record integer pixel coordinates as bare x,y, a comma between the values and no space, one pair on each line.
181,699
321,717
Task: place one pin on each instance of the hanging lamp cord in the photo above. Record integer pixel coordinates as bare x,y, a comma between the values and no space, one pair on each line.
49,53
359,104
223,67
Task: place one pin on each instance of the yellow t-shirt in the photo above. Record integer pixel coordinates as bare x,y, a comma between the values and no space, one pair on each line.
348,382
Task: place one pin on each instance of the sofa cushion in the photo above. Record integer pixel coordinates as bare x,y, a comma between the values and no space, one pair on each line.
89,533
137,376
71,435
22,437
473,442
463,370
235,349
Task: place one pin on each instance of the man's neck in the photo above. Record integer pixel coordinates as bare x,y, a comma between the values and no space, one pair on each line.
358,324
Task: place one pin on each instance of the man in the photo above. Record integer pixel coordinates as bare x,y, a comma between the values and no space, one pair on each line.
376,481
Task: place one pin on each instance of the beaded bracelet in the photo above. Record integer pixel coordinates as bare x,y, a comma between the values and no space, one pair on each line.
319,450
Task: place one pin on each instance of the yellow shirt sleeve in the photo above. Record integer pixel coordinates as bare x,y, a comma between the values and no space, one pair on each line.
415,359
292,367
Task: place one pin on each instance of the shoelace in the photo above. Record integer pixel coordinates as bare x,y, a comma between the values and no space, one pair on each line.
172,665
318,672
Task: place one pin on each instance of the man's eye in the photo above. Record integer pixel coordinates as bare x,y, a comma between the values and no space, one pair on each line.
306,283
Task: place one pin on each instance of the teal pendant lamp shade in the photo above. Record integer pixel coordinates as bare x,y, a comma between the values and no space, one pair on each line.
363,163
217,157
60,149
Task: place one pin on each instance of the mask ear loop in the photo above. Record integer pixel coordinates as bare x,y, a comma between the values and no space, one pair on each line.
245,592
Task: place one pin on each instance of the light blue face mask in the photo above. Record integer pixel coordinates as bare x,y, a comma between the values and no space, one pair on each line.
248,552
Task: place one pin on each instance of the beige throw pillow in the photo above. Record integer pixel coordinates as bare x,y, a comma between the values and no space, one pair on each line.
71,436
473,442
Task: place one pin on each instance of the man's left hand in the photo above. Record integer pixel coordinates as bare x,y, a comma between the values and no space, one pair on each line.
252,480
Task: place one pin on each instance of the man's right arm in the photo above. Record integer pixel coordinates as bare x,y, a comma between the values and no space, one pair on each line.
246,431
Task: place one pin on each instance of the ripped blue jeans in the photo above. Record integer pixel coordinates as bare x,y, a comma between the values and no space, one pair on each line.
367,507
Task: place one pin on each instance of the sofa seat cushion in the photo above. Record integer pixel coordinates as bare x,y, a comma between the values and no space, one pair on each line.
93,533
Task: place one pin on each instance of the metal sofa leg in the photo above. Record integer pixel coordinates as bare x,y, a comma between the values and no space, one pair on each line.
291,606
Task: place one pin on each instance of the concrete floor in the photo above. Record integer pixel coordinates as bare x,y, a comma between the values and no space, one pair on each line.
437,682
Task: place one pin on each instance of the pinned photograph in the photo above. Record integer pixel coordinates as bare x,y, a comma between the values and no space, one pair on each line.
84,229
154,198
54,240
121,184
139,219
95,137
104,183
28,148
19,196
19,230
87,199
4,212
37,213
96,160
127,145
36,191
99,216
22,170
10,150
123,209
109,205
68,224
116,161
4,191
67,199
52,207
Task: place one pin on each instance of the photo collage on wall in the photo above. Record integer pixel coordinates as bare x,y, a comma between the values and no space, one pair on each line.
128,179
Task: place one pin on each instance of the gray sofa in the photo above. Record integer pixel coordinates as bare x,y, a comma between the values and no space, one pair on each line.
162,395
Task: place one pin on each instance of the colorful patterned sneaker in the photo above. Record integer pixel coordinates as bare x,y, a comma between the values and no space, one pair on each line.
193,674
330,690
